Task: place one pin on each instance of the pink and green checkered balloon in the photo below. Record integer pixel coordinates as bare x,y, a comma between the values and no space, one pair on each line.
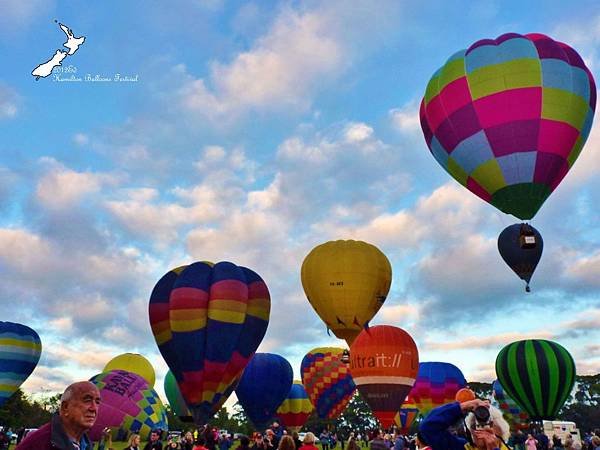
507,118
128,405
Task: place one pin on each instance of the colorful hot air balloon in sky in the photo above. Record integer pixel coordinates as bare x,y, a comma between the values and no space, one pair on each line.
513,413
537,374
176,400
20,349
346,282
521,246
384,362
327,380
208,321
296,408
507,118
133,362
128,403
437,384
265,383
407,414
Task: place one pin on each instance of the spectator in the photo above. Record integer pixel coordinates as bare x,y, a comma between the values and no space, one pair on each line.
154,442
68,428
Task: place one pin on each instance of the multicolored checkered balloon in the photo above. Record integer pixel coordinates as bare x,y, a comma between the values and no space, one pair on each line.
514,414
128,404
508,117
327,381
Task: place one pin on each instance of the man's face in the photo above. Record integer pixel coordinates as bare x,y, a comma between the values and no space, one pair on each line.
81,409
154,436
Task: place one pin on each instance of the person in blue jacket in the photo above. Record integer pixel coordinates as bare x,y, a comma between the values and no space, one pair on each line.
490,434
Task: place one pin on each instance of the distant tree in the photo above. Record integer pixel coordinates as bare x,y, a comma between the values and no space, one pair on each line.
20,411
175,423
242,423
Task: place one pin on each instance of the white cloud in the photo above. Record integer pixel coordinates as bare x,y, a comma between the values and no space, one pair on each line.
81,139
9,101
24,251
61,187
406,118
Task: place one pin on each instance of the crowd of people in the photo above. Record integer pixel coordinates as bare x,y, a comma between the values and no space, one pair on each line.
470,425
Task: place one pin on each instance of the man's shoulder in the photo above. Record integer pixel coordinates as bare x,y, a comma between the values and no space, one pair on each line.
35,439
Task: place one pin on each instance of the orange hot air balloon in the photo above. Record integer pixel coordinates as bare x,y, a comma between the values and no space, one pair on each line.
464,395
384,362
346,282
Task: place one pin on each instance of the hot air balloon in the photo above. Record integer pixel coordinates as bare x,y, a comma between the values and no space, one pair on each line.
20,349
128,404
405,417
327,381
133,362
176,400
208,321
507,118
465,395
265,383
537,374
513,413
437,384
296,408
521,246
346,282
384,362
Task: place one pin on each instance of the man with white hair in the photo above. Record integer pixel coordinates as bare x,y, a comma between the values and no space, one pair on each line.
486,427
79,406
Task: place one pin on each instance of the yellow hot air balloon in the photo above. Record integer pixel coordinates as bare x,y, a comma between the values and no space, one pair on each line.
346,282
135,363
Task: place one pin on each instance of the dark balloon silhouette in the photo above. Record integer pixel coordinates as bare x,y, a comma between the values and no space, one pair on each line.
521,246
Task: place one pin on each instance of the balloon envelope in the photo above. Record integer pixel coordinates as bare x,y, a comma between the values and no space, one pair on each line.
128,403
208,321
508,117
346,282
176,400
20,349
327,380
264,385
133,362
513,413
384,362
522,259
437,384
296,408
407,414
537,374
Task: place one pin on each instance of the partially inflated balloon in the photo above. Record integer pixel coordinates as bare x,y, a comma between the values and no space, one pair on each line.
128,403
521,246
537,374
208,321
384,362
513,413
507,118
176,400
133,362
346,282
264,385
327,380
465,395
296,408
437,384
405,417
20,349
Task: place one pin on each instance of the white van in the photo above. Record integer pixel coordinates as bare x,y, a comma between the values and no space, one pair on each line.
562,430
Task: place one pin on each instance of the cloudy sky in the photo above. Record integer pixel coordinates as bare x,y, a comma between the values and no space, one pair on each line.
254,132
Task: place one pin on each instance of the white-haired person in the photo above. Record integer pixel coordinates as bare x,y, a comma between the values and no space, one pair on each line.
487,431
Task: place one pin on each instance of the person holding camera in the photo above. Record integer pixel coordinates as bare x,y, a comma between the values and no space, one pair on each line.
486,428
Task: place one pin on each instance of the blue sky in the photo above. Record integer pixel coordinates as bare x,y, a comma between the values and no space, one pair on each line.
256,131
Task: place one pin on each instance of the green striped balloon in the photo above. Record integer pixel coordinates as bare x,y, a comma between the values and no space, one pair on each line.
538,374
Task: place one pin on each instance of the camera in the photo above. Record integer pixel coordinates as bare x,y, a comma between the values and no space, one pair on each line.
482,417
